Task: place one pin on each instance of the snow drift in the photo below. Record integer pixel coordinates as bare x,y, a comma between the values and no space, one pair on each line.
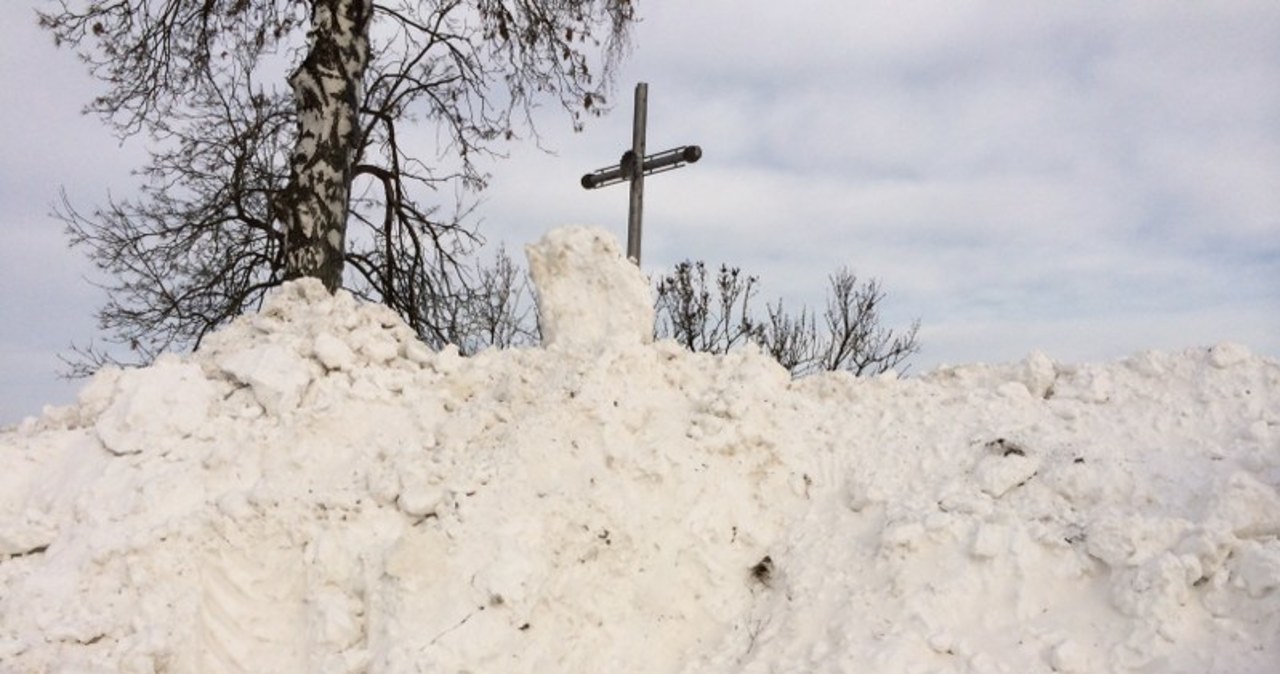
315,491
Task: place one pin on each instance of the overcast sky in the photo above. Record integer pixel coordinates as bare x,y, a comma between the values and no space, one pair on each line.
1089,179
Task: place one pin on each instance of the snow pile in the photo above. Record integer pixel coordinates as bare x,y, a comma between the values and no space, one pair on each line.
585,305
314,491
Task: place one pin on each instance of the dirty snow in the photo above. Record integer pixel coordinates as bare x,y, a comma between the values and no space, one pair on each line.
315,491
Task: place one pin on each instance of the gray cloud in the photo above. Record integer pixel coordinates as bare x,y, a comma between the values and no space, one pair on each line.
993,164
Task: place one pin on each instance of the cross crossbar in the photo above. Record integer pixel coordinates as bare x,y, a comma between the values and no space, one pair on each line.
654,163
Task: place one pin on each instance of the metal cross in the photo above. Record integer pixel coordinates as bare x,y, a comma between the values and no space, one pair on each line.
634,166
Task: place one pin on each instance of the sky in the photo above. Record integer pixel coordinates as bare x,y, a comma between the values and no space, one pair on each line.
1086,179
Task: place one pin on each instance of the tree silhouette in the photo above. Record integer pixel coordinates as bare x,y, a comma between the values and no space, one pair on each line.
715,315
277,131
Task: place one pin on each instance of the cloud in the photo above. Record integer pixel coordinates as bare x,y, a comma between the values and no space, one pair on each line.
1006,157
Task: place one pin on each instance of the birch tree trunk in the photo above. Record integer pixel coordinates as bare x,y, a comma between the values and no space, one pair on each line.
328,90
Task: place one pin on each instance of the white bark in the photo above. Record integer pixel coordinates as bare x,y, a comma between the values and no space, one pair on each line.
328,88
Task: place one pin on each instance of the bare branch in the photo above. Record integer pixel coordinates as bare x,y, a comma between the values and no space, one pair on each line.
704,319
221,214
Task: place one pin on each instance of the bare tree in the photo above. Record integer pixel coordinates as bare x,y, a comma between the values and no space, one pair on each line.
251,183
791,340
498,310
701,318
858,343
715,316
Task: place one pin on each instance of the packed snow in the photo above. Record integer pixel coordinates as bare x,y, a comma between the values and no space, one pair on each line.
314,490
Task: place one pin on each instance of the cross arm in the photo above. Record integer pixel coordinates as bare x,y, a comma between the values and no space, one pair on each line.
654,163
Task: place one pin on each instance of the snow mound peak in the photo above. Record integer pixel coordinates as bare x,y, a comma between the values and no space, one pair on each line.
589,295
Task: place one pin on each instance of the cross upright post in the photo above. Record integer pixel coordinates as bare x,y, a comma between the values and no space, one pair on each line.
637,171
634,166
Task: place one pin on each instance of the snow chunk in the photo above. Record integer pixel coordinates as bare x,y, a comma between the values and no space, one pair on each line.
1005,466
990,540
1256,567
1246,507
333,353
1069,657
1227,354
277,375
152,405
589,295
1038,374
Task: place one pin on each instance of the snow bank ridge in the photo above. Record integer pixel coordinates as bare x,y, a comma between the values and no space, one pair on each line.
314,491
